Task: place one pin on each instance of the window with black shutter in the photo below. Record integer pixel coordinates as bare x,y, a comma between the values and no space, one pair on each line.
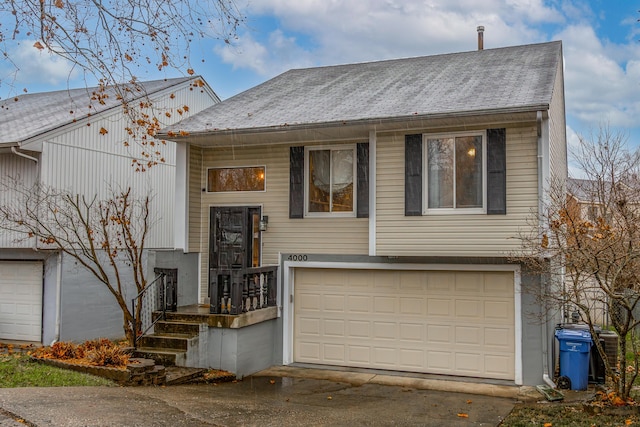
329,181
458,172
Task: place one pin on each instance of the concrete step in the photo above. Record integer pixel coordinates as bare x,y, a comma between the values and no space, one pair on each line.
167,341
162,356
164,327
196,318
181,375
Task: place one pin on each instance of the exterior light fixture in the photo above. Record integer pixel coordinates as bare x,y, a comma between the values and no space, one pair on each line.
264,222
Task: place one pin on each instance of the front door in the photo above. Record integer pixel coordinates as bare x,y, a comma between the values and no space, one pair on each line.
234,245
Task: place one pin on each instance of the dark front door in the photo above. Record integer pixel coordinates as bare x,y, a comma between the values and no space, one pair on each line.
234,245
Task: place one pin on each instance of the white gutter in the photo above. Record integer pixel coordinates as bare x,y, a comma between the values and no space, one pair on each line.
15,151
373,140
544,334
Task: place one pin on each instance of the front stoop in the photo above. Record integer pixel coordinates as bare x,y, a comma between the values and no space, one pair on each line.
193,337
173,343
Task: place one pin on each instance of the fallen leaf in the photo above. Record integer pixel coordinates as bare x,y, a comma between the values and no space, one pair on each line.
628,422
329,397
618,401
272,381
548,424
469,402
463,415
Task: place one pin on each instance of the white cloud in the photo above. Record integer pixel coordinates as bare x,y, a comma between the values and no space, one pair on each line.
598,88
39,66
278,54
324,32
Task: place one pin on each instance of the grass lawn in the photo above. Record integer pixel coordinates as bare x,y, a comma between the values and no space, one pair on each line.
18,370
567,415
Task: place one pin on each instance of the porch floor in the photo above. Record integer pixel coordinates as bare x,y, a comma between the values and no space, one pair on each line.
199,313
200,309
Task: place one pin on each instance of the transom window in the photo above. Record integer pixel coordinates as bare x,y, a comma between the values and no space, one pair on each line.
329,180
455,173
236,179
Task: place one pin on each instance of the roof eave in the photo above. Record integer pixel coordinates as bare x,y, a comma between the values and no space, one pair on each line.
360,122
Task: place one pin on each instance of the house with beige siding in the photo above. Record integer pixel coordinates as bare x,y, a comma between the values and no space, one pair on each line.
76,140
386,197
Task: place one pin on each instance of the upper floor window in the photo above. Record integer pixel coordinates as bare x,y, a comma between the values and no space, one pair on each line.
455,166
236,179
329,180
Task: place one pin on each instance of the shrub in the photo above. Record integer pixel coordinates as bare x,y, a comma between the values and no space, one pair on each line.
106,355
63,350
97,352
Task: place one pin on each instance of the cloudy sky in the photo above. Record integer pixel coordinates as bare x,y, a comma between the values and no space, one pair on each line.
601,43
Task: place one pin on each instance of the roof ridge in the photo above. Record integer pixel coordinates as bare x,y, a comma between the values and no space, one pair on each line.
437,55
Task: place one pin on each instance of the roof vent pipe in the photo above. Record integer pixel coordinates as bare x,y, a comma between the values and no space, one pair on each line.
480,37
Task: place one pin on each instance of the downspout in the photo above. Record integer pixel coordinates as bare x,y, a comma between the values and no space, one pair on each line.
56,335
15,151
544,335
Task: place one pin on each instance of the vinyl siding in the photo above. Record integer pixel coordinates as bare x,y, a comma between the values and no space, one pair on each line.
306,236
196,221
558,130
26,171
454,235
82,160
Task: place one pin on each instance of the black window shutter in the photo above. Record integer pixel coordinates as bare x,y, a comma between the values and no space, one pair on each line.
413,175
496,172
296,182
363,180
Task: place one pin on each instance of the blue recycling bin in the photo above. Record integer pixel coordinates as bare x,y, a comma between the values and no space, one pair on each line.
575,348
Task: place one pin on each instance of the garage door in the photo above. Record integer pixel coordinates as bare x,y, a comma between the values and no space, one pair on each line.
441,322
20,300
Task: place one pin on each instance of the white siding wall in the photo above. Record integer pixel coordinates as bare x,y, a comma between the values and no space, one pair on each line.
84,161
454,235
27,172
558,129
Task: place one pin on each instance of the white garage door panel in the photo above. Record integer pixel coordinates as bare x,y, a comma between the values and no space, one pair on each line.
443,322
21,296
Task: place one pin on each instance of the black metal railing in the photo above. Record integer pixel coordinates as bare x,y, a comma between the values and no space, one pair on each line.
243,290
152,298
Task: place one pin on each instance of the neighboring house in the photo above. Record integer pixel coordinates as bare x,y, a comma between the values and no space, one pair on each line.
74,140
390,194
583,202
586,201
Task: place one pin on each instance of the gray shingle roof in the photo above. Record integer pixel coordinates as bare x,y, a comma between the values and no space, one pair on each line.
30,115
518,78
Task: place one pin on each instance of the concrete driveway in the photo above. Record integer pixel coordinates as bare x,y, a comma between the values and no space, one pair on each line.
272,398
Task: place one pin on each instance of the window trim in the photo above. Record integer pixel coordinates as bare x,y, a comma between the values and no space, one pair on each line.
354,211
425,174
236,191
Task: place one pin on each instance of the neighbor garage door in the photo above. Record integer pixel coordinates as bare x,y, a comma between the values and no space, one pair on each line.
441,322
20,300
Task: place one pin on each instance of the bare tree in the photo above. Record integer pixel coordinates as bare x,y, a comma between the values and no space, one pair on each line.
106,237
112,40
590,238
